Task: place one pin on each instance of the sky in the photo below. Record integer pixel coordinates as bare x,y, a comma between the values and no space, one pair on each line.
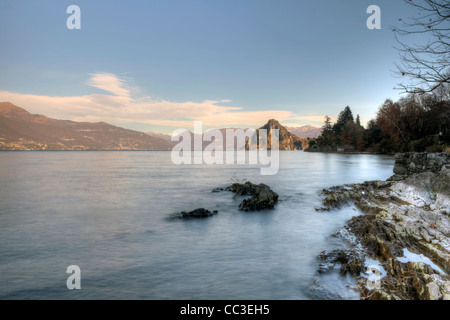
153,65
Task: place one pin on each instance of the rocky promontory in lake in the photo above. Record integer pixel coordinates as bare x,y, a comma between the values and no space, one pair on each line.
406,228
287,140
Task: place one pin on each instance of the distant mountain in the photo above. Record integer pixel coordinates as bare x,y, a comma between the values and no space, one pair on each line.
163,136
21,130
307,131
288,141
224,143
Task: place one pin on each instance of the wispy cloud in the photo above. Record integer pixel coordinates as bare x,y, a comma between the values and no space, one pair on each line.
120,107
109,82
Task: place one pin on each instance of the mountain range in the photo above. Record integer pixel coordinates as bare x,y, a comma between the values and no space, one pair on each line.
21,130
307,131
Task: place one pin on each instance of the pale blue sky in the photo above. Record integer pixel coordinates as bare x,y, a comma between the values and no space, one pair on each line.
304,59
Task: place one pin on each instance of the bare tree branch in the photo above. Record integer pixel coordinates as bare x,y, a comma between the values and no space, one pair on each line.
426,63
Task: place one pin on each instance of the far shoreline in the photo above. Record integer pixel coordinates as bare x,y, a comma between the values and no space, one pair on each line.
355,152
96,150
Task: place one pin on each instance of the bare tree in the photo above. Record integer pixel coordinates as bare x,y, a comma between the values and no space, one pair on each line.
424,46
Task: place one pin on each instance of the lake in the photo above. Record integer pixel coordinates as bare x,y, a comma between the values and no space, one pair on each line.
111,214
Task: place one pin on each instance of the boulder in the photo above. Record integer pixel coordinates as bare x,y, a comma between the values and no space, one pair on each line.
262,197
410,163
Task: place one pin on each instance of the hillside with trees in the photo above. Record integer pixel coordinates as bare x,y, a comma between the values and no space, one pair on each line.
418,122
421,120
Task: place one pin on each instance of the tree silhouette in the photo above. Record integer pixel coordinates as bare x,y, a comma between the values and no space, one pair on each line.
424,46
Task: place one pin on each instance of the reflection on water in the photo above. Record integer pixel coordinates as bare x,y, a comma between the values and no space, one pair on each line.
107,213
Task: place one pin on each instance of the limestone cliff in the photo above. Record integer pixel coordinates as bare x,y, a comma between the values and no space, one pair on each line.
287,140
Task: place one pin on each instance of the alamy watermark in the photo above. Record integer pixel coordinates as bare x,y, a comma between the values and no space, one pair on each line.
74,280
373,281
74,20
374,21
238,146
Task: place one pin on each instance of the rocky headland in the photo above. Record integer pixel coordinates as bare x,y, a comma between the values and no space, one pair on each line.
287,140
405,228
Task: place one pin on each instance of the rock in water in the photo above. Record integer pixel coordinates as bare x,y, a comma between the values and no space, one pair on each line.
216,190
262,197
198,213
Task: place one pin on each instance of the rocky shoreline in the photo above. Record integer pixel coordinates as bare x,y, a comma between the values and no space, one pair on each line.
405,228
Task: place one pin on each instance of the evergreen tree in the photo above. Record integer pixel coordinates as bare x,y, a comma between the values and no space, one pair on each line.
344,117
327,131
358,121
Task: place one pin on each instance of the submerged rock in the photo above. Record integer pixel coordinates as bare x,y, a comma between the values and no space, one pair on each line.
198,213
216,190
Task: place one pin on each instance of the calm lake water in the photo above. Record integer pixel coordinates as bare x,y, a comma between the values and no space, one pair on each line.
110,214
